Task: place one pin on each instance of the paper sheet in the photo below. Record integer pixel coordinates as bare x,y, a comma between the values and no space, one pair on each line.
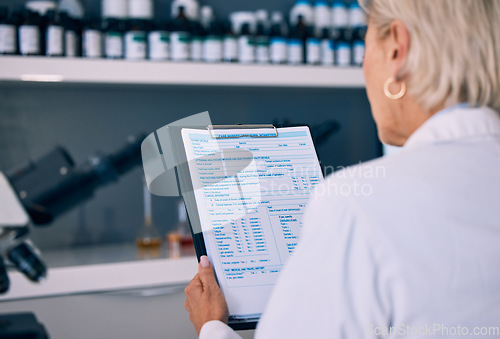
251,194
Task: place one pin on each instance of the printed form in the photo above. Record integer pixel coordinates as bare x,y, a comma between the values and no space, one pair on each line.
251,193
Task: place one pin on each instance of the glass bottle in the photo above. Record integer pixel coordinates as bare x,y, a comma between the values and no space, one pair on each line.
343,47
327,48
136,39
71,35
8,34
91,39
313,49
212,45
230,44
29,33
180,37
113,38
262,38
54,34
159,42
297,42
197,37
246,45
357,22
278,44
148,239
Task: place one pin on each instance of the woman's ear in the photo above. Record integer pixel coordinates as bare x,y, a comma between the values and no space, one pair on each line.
397,44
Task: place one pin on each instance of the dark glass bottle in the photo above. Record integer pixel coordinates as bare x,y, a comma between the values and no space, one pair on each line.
297,42
343,47
277,43
358,45
136,39
230,44
54,34
159,42
91,39
246,45
29,33
180,37
327,48
72,35
212,44
113,30
313,49
197,37
8,33
262,43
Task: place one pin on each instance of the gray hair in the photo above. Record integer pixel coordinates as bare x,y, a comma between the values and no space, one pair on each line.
454,51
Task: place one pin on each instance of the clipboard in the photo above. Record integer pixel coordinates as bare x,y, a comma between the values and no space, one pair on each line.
252,235
247,229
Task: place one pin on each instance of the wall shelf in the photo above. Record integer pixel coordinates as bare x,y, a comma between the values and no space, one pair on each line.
102,71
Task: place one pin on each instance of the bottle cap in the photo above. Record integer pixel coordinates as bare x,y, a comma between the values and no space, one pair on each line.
140,9
114,9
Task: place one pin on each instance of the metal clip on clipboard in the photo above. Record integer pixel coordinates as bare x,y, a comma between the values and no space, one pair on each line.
210,128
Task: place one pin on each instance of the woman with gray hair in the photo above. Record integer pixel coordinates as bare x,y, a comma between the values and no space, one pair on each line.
417,256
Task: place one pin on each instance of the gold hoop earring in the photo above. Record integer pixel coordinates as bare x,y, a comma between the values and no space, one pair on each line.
396,96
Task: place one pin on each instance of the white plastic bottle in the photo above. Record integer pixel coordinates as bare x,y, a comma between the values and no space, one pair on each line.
322,16
340,14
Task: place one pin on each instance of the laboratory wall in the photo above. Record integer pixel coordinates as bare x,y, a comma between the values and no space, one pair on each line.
90,118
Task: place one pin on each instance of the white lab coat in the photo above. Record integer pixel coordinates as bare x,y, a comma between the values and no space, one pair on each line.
404,246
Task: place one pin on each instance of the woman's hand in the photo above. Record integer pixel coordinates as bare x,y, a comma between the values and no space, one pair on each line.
204,299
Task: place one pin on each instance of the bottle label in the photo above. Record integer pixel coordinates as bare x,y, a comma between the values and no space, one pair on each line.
327,52
135,45
196,49
54,43
340,17
29,39
92,43
212,49
278,50
159,45
230,49
70,44
295,52
179,46
262,50
246,49
113,45
343,55
358,51
8,39
313,51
